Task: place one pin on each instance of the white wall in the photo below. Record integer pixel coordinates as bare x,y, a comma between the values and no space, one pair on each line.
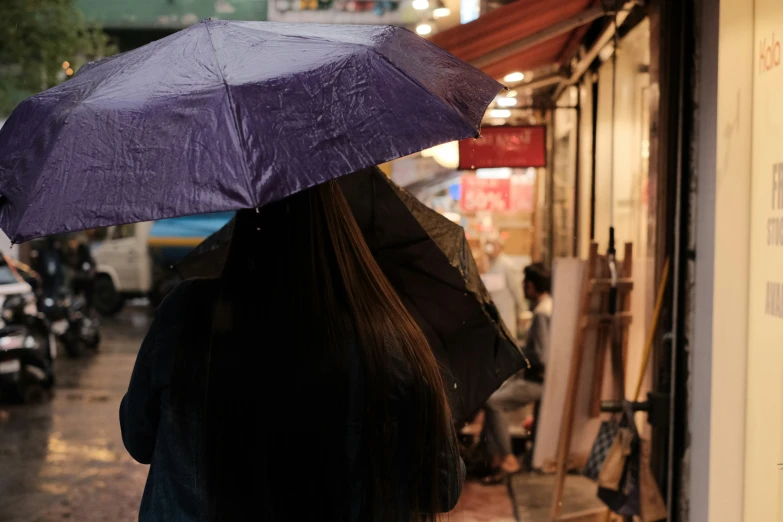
764,407
719,354
629,119
585,165
630,214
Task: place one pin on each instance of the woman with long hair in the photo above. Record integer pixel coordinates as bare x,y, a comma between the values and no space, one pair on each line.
294,387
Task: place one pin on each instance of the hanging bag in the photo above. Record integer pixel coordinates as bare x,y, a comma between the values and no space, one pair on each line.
611,473
614,467
651,503
636,493
601,447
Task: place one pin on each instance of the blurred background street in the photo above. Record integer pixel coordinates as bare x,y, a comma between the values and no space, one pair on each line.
629,159
64,459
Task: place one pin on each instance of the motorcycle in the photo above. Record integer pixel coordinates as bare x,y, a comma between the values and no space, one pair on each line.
70,316
72,323
22,310
26,373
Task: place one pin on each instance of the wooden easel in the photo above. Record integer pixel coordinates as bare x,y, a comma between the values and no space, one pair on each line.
611,335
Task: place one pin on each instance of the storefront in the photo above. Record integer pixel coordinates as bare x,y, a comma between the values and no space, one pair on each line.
608,84
497,203
597,119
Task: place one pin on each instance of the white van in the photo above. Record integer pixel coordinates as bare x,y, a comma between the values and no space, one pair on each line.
124,266
137,260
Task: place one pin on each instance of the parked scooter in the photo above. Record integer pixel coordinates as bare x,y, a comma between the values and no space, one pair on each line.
71,319
26,348
72,323
22,310
26,373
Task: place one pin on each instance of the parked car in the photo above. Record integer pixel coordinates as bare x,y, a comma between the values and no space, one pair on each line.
27,349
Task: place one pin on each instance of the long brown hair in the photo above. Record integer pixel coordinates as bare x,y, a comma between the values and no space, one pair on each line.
302,305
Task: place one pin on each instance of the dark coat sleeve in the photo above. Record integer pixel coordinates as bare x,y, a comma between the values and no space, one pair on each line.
140,408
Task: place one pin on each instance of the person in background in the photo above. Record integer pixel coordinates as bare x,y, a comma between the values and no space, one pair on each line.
82,266
49,261
501,263
526,386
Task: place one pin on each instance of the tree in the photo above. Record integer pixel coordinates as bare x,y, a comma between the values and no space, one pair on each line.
42,43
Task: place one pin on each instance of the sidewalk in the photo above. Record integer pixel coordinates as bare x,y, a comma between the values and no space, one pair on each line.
533,496
65,461
483,504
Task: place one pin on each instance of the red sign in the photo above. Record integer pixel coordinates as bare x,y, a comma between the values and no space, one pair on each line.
521,194
484,195
769,56
516,147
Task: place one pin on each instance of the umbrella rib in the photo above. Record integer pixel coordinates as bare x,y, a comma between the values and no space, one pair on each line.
401,246
234,118
417,270
425,89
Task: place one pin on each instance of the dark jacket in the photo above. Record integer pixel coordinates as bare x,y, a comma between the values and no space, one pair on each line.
172,492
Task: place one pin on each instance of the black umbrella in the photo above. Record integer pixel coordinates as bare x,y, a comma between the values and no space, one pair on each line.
427,259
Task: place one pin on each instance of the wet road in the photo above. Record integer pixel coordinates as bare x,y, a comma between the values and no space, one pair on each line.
64,460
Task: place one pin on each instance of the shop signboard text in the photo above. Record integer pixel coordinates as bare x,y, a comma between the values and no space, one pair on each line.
516,147
769,56
513,194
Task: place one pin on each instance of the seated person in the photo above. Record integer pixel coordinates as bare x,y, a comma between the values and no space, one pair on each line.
527,385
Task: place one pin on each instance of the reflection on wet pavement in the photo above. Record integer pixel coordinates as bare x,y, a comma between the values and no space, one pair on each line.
64,460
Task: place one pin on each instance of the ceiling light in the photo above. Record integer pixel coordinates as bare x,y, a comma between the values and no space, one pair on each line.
514,77
447,155
423,29
498,173
511,94
507,102
500,113
421,5
441,11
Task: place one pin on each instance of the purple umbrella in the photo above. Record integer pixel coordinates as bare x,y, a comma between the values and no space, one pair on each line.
227,115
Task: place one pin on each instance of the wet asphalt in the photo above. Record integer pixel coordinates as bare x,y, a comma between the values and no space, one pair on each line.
63,459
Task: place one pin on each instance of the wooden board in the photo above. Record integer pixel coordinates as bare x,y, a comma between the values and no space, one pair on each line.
600,339
567,280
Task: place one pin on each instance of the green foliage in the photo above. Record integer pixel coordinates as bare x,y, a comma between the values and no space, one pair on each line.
36,38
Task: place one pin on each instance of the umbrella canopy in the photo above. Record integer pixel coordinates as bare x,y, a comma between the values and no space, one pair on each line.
224,116
427,259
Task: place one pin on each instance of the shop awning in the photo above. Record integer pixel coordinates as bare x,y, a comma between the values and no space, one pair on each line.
522,36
